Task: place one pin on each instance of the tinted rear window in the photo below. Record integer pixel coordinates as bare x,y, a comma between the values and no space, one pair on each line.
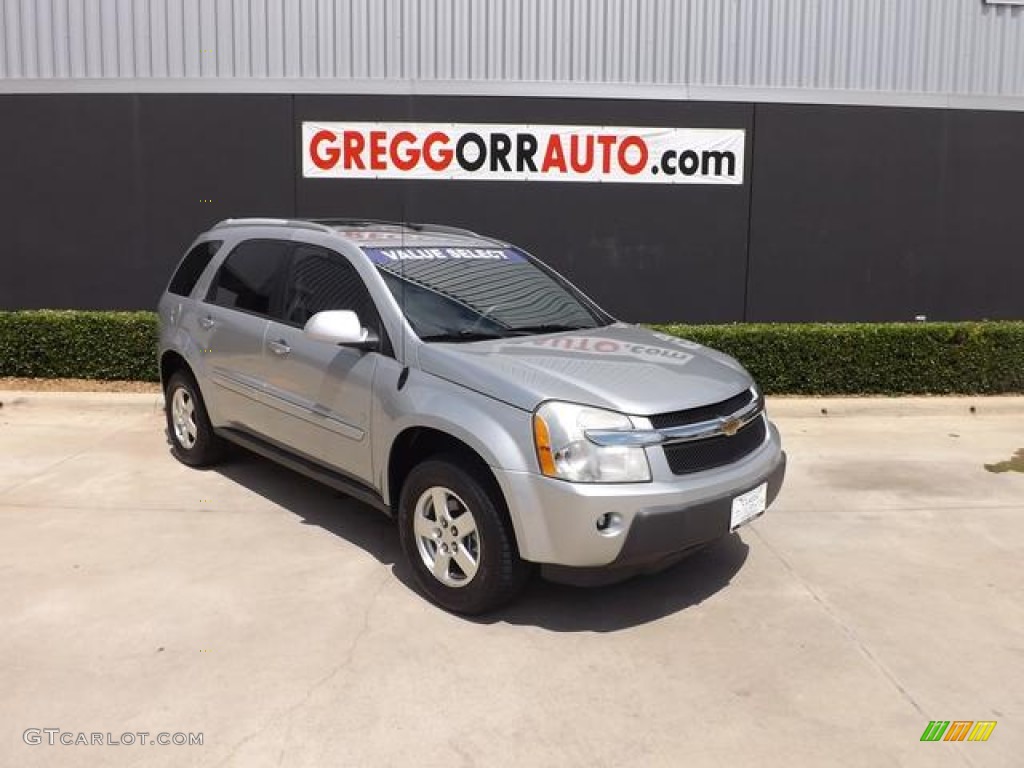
192,266
250,277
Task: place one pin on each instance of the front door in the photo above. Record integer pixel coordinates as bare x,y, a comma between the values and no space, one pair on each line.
323,392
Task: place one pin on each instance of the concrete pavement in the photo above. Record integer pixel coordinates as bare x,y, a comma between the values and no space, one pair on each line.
885,589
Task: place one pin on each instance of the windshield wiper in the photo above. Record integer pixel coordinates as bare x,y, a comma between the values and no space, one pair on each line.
526,330
464,335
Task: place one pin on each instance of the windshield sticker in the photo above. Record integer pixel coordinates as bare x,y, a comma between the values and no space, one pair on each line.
395,255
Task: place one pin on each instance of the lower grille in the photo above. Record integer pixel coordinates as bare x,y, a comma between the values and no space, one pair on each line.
686,458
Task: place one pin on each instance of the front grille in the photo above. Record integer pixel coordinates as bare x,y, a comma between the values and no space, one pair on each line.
704,413
686,458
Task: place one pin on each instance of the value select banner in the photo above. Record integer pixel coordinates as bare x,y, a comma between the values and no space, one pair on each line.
489,152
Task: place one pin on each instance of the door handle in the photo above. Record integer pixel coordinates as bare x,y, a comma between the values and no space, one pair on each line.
279,347
207,322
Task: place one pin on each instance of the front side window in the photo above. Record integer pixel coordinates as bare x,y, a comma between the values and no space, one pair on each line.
321,280
465,294
249,277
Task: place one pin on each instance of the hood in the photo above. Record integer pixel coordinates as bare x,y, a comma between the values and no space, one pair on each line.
621,367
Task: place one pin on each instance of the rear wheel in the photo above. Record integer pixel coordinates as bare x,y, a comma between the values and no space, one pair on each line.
458,539
193,441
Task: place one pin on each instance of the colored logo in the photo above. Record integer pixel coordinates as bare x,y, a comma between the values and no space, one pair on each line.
731,426
958,730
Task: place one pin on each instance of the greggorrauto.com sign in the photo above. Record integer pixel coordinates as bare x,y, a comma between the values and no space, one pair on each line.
489,152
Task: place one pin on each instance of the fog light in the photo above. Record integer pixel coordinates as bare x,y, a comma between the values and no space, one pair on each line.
609,524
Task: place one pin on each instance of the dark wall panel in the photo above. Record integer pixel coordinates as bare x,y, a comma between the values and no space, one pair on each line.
845,206
681,250
208,158
980,273
71,201
885,214
852,213
101,194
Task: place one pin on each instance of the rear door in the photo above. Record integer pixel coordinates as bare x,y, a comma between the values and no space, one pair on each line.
323,392
230,326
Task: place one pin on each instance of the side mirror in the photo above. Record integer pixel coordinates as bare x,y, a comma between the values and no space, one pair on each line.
342,327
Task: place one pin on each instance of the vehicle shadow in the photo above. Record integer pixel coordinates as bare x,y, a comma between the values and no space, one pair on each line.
317,504
640,600
556,607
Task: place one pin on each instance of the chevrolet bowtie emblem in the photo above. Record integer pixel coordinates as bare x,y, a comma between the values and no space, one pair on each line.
731,426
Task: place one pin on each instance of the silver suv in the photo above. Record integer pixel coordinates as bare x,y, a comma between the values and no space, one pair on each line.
459,384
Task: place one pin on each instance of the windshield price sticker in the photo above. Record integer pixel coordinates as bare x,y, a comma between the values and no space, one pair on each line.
393,255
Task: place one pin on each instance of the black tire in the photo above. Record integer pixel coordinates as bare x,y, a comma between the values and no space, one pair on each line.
205,448
500,573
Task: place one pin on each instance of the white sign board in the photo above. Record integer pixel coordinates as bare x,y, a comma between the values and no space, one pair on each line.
490,152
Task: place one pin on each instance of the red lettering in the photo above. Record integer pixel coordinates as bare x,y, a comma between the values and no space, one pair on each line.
554,155
587,162
324,158
606,142
624,147
354,146
442,158
377,150
404,161
606,346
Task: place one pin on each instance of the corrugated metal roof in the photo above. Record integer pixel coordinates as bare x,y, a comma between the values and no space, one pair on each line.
966,47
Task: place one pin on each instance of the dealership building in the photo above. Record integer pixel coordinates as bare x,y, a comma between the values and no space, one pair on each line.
680,160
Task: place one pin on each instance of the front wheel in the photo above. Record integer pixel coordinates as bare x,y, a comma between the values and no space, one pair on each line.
458,539
193,441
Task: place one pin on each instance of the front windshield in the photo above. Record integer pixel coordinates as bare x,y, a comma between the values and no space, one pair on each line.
467,294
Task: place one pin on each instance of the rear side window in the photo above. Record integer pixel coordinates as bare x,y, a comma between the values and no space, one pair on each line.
320,280
250,276
192,266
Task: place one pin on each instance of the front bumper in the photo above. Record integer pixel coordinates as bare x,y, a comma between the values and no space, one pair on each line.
658,539
555,521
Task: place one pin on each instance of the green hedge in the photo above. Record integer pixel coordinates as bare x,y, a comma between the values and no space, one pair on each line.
873,358
851,358
55,344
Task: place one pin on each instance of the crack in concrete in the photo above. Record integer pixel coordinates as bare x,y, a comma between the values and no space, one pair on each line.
119,507
847,630
49,467
851,634
980,506
316,685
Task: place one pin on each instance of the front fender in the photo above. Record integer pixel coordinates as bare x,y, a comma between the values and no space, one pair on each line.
498,432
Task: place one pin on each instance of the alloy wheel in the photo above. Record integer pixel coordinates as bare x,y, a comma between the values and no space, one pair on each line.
183,417
446,537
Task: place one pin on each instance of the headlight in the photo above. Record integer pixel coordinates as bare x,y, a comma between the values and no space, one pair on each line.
563,451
